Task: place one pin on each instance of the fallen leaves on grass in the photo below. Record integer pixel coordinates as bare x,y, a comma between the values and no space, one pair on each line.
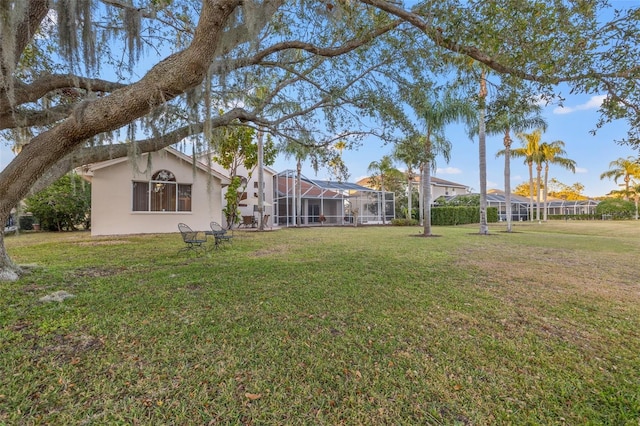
253,396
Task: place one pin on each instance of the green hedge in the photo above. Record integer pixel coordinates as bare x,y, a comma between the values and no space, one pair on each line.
444,216
404,222
573,217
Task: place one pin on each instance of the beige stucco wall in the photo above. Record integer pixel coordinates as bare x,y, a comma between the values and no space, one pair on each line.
111,198
438,191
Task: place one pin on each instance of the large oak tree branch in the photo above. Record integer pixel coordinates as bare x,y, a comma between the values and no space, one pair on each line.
36,11
329,52
165,81
479,55
29,118
25,93
95,154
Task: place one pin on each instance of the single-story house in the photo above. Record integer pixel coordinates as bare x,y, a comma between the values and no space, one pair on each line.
153,193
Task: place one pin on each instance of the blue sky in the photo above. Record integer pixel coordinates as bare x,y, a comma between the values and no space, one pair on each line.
571,124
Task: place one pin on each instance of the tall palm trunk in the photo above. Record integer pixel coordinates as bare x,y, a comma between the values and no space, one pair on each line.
299,193
421,196
383,206
546,182
530,164
410,177
426,186
482,153
261,185
538,189
507,177
627,179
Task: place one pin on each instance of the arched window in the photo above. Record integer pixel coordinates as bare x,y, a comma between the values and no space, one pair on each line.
161,194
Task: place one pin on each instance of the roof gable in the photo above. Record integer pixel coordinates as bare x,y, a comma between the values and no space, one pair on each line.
171,151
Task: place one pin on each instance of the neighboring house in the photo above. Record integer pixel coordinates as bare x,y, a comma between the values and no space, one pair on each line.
337,202
153,193
248,205
439,187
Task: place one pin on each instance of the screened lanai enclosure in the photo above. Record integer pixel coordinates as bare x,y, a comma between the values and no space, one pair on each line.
328,202
572,208
555,207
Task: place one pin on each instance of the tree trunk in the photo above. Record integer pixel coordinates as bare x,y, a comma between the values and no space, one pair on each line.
482,153
530,164
298,205
409,215
426,191
538,189
383,205
507,178
421,196
426,185
166,80
546,183
260,181
8,270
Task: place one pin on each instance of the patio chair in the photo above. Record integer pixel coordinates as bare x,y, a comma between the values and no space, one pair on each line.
265,221
220,235
248,221
190,238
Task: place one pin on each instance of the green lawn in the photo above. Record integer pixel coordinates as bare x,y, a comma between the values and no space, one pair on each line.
367,325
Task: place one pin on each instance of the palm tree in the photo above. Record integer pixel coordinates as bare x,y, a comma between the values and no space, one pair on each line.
335,162
552,154
530,151
436,115
409,151
300,152
381,171
482,152
512,111
627,168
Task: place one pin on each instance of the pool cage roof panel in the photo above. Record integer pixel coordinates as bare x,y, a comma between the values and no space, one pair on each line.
518,199
328,188
571,203
340,186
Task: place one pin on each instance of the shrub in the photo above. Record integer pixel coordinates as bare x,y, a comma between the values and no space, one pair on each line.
616,208
404,222
460,200
64,205
461,215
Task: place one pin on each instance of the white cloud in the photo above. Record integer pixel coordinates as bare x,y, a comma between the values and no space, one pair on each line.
448,171
593,103
581,170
